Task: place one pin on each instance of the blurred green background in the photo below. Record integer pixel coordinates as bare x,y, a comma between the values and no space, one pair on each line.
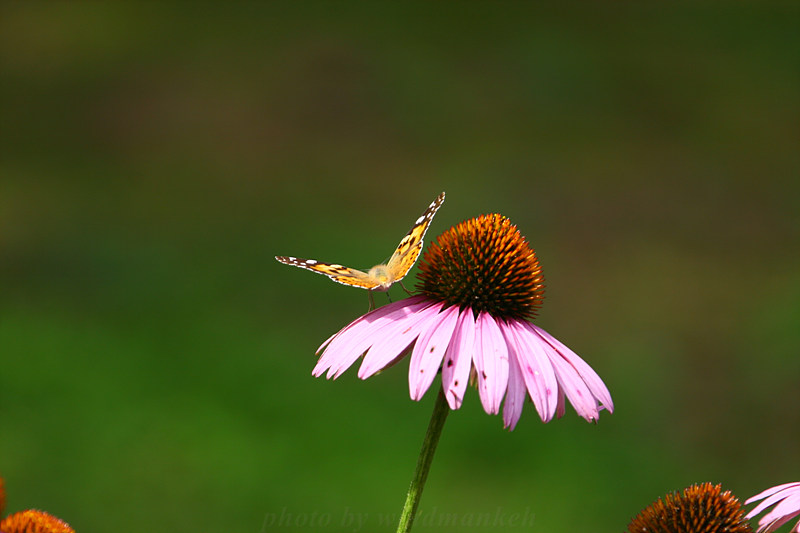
155,359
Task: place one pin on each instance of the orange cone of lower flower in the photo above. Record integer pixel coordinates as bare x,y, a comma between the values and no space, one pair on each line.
30,521
701,508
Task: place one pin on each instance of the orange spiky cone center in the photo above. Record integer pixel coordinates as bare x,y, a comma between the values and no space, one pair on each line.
484,264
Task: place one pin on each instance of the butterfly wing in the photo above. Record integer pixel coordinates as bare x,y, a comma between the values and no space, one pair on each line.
410,247
398,265
338,273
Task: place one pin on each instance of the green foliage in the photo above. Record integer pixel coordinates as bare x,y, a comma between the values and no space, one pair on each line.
155,360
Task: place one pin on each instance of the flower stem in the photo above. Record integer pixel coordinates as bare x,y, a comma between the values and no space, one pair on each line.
440,411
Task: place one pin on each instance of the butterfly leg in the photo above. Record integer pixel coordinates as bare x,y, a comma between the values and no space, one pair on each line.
371,301
404,288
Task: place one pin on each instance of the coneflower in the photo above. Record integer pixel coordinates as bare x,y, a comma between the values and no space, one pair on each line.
480,283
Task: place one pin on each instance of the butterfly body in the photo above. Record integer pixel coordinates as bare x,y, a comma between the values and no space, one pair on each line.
380,277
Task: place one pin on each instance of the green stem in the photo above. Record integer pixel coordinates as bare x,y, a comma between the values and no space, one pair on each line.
440,411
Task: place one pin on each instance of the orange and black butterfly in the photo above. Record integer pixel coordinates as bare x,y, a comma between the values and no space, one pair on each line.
380,277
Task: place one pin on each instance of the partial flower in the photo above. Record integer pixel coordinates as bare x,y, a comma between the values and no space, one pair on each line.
702,508
787,497
30,521
480,283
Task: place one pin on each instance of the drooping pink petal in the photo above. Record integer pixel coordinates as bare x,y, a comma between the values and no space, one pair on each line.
537,370
587,373
353,340
515,397
426,358
561,407
574,388
458,359
394,339
491,363
571,381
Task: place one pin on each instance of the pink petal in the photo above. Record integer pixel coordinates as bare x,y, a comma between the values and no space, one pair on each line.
588,375
491,363
458,359
394,339
324,344
429,351
370,317
515,397
537,370
361,322
353,340
342,349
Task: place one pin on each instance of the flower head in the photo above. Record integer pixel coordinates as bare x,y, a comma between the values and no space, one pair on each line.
700,508
479,282
787,497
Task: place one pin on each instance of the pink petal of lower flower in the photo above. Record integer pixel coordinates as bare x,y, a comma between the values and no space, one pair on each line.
769,492
394,339
429,351
787,497
587,373
537,370
458,359
491,363
786,510
515,397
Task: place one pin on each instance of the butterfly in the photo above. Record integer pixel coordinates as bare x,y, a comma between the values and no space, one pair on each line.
380,277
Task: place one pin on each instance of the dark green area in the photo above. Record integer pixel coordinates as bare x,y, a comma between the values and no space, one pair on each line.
155,359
